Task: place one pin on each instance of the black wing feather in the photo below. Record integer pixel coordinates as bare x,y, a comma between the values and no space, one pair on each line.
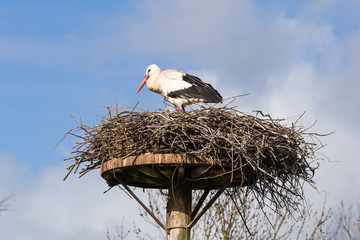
199,89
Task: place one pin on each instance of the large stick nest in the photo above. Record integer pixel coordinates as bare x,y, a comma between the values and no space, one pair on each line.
282,157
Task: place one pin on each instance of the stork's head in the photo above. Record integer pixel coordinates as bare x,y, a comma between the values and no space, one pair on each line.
152,70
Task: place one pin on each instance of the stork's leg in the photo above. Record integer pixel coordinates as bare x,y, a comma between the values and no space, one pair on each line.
176,109
183,107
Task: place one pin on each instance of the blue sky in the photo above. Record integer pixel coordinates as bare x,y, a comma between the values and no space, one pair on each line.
59,58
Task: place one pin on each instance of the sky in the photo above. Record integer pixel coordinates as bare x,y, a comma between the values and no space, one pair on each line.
63,58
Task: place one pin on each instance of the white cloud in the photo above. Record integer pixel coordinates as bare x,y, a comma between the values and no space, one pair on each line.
302,89
296,87
13,174
46,207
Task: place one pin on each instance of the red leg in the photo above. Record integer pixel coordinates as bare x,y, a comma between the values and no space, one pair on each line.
176,109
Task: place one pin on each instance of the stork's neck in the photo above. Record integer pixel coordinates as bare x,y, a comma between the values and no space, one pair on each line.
154,84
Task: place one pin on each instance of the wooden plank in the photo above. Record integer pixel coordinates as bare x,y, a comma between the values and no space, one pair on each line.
166,172
149,171
156,171
161,159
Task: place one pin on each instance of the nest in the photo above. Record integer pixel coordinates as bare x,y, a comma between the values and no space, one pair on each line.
281,157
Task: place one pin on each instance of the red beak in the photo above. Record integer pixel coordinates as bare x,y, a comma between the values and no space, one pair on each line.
143,83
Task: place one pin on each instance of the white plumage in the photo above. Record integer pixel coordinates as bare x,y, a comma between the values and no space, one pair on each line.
178,87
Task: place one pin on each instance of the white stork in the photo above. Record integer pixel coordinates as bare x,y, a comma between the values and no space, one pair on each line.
178,87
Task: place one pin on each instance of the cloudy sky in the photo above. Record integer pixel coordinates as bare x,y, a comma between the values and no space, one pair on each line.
59,58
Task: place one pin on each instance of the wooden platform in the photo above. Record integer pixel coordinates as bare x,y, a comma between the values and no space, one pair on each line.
161,170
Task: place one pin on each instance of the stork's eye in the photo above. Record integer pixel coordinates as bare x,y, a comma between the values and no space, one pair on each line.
149,71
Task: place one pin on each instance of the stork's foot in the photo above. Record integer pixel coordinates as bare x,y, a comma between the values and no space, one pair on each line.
177,110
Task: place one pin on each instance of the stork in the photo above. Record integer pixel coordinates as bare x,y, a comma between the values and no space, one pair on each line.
179,88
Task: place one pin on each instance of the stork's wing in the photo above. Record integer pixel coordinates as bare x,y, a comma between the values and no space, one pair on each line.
197,89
